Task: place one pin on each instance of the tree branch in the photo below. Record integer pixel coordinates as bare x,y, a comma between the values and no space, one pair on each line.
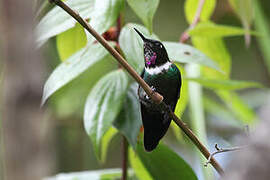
185,36
156,97
125,157
221,150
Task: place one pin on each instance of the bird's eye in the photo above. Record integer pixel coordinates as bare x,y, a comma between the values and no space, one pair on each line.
160,45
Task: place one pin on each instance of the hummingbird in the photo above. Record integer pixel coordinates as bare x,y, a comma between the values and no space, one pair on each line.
163,77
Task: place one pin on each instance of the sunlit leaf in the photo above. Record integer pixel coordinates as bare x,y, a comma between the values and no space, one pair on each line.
145,10
225,84
105,141
73,67
181,104
103,105
213,30
183,53
57,20
191,7
217,51
136,164
132,45
70,41
129,120
162,163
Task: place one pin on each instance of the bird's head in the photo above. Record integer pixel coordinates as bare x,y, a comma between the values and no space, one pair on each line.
155,53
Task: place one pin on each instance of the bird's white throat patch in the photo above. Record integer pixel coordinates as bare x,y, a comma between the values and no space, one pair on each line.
158,69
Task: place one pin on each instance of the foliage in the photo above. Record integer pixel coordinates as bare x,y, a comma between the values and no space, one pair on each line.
112,104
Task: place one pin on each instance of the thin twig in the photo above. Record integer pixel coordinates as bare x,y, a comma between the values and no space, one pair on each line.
221,150
156,97
185,36
124,158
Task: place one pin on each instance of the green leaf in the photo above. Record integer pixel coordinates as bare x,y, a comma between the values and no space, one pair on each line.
162,163
242,111
225,84
217,51
191,7
213,30
145,10
132,45
183,53
137,165
244,9
181,104
104,16
129,120
108,174
70,41
72,67
103,105
262,25
105,141
57,20
69,101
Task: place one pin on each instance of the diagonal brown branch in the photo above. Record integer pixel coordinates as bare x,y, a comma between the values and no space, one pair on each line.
156,97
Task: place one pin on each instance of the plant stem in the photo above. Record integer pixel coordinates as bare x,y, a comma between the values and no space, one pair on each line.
124,157
184,37
196,111
156,97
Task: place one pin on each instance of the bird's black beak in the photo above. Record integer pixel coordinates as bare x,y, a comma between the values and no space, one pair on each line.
143,38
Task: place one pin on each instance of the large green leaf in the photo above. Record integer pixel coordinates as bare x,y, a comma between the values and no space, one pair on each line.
145,10
57,20
103,174
183,53
69,100
132,45
217,51
191,7
70,41
129,120
72,67
160,164
262,25
103,105
213,30
104,15
225,84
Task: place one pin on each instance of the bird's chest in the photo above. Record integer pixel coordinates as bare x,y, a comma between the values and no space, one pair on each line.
165,82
